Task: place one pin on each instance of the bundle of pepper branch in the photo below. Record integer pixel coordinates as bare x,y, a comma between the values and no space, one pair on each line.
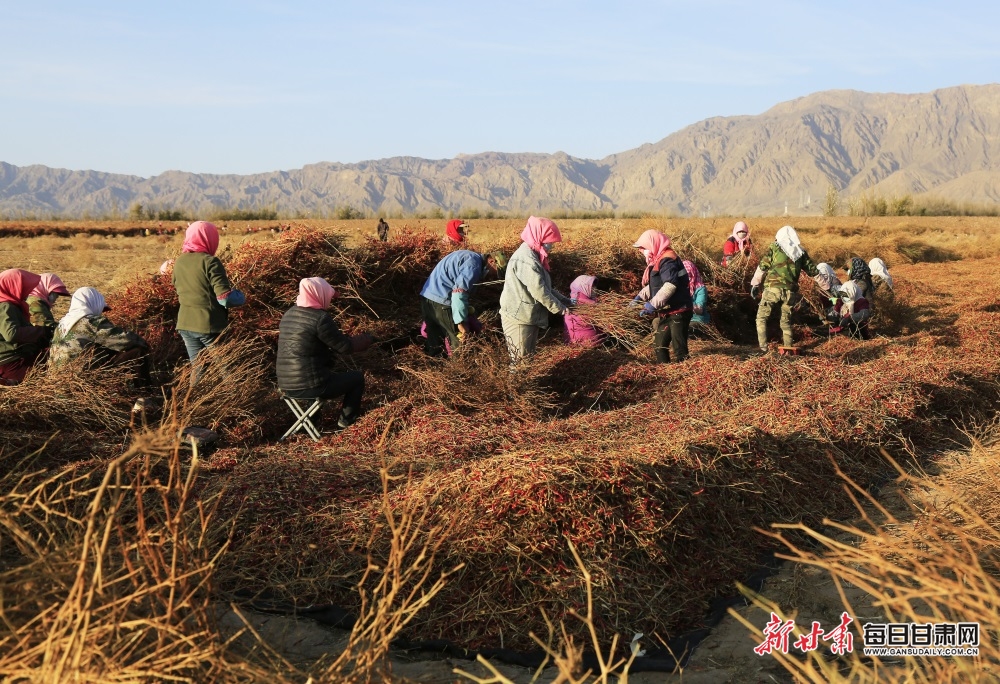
615,317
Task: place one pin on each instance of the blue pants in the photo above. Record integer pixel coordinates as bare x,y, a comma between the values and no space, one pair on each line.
194,342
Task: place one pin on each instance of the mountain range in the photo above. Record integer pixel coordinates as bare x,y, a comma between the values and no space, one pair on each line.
944,144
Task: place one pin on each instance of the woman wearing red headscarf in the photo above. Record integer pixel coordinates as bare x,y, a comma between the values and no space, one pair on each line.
455,231
528,296
203,289
20,342
667,296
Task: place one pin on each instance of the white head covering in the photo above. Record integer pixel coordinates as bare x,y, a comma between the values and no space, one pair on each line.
850,293
788,240
87,301
878,268
827,278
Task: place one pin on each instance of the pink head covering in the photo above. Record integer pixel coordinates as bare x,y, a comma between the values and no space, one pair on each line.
201,236
315,293
582,289
657,245
537,232
49,284
694,276
741,227
16,285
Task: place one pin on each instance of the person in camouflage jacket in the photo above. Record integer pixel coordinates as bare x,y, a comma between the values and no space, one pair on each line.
85,330
778,271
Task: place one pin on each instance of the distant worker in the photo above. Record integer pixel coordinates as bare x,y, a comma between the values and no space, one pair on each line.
21,343
778,271
699,294
307,339
528,296
738,244
455,231
444,298
665,296
203,289
383,230
880,273
43,298
85,330
578,330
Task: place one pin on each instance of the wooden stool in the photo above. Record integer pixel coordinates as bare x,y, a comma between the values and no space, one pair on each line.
789,351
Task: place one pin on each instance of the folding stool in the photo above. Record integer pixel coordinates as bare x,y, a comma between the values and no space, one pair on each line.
302,417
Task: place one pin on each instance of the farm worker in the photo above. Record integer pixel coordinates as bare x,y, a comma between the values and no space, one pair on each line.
444,298
739,243
859,272
880,273
203,289
828,284
473,326
778,271
855,311
43,298
21,343
455,231
383,229
528,296
699,294
666,296
84,329
307,335
578,330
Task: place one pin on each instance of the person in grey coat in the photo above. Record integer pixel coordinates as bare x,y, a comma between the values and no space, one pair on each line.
528,296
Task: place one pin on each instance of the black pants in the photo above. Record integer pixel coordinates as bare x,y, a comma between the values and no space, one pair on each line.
350,384
440,325
671,333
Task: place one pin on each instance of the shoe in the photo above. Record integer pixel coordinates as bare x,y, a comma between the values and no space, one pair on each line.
761,351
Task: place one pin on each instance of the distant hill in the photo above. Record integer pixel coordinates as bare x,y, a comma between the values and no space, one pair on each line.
945,143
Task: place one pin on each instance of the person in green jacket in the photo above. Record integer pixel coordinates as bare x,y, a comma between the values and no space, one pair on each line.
43,298
778,271
21,343
203,289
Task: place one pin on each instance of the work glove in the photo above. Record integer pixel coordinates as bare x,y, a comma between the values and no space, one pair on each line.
232,299
572,301
360,343
635,303
754,291
648,310
462,337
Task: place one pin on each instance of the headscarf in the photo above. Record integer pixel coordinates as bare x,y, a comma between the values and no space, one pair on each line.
658,245
694,276
859,272
87,301
452,230
315,293
827,278
16,285
201,236
583,285
789,242
878,268
850,294
739,228
167,267
49,284
537,232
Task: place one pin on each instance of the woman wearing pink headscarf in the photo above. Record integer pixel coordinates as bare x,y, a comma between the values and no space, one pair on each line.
739,243
203,289
43,298
21,343
307,339
699,294
666,295
578,330
528,296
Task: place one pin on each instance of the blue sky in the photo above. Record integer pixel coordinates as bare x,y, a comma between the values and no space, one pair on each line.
244,87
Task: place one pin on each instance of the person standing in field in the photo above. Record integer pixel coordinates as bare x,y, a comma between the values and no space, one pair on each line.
444,298
21,343
778,272
666,296
43,298
528,296
307,339
455,231
203,289
738,244
383,230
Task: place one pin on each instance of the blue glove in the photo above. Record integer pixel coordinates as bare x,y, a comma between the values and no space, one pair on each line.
635,303
234,298
572,302
754,291
648,310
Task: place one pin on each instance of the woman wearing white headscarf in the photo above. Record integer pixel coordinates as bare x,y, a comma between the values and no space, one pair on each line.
855,311
85,330
881,272
778,271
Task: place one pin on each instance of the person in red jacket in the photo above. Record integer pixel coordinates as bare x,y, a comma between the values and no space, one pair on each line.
738,243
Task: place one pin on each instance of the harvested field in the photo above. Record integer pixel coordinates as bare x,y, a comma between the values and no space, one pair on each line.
656,474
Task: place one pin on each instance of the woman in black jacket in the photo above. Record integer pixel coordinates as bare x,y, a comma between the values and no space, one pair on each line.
666,296
307,337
